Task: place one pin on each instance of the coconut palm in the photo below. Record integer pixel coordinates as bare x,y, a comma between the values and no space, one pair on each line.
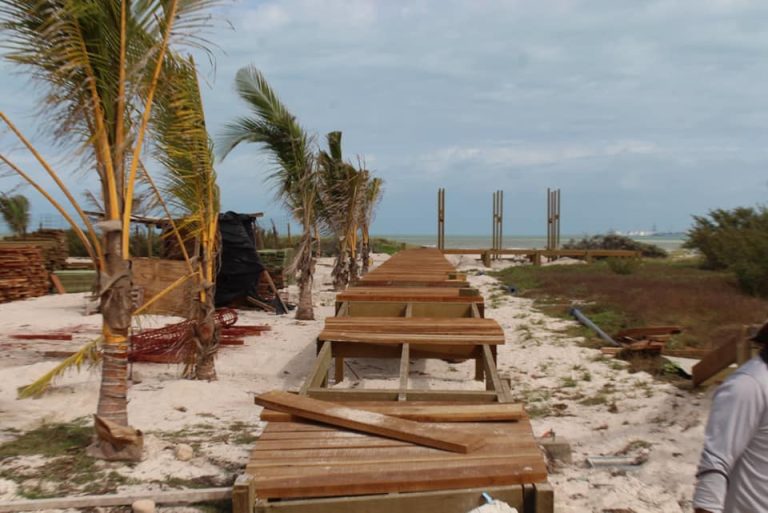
275,129
371,199
15,212
342,189
186,152
100,62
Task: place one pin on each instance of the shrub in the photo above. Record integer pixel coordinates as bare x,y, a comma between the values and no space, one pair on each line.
613,241
623,265
736,240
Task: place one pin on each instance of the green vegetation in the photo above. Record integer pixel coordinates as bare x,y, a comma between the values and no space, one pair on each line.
613,241
15,212
708,305
68,470
735,240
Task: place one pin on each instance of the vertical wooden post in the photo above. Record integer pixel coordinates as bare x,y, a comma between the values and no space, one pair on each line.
289,234
557,222
243,494
441,218
501,222
549,218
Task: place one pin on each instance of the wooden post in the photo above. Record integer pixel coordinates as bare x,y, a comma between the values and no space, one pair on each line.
549,218
500,237
288,229
557,221
243,494
493,225
441,218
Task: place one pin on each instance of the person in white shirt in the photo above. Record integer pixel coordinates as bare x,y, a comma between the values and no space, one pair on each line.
732,476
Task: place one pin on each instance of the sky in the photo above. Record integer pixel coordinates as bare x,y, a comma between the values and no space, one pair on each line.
642,112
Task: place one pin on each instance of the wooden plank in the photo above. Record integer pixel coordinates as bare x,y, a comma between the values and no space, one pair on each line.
94,501
403,479
404,370
57,284
447,501
415,339
371,422
714,362
319,372
374,394
428,413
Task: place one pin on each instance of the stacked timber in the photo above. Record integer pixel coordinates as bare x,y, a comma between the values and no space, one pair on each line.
22,273
53,244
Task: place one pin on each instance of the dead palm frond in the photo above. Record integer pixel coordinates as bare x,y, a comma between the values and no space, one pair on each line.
372,197
88,354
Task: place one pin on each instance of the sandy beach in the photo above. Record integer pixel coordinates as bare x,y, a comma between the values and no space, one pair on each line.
573,392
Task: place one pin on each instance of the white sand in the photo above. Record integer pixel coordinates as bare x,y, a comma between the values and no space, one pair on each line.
549,371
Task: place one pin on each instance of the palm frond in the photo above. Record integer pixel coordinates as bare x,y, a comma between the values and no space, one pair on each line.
273,127
88,354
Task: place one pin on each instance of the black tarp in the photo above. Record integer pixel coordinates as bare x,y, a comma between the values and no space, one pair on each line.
240,266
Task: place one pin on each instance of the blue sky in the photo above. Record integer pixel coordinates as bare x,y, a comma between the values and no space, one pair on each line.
643,112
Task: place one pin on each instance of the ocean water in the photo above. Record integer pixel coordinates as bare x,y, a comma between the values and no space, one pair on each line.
668,242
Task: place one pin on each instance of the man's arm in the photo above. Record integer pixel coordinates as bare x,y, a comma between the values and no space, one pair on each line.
737,408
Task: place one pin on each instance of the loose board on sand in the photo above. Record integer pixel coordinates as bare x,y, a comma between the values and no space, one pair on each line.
441,412
448,439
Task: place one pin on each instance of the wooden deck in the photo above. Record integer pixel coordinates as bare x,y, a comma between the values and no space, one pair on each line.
418,307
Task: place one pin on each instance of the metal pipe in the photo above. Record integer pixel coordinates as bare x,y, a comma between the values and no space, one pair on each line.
583,319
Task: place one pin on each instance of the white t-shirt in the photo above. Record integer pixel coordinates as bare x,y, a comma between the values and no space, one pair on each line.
733,471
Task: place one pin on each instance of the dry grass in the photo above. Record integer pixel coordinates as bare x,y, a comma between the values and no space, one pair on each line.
707,304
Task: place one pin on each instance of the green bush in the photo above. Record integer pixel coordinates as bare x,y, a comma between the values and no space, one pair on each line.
736,240
623,265
613,241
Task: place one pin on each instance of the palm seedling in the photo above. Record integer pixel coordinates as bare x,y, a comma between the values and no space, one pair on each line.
100,62
293,175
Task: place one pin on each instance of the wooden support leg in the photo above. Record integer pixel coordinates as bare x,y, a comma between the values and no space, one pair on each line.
243,494
318,375
405,357
338,375
479,365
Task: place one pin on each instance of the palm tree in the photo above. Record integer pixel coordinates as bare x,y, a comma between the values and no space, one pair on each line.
342,188
273,127
15,212
185,150
372,197
101,63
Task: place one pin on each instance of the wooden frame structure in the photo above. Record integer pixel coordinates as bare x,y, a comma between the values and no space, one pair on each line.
441,218
414,306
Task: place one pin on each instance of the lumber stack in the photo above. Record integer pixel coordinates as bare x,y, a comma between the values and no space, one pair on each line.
53,244
22,273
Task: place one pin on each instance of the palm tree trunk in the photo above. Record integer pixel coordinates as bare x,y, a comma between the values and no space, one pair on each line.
207,341
365,249
116,307
304,309
339,273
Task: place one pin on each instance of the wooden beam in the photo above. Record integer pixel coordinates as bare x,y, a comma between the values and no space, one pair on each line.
95,501
378,394
447,501
404,369
371,422
318,375
493,412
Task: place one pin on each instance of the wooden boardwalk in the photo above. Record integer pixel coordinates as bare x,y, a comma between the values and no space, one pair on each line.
413,306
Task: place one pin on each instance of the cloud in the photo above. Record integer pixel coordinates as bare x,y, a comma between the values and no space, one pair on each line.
519,154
